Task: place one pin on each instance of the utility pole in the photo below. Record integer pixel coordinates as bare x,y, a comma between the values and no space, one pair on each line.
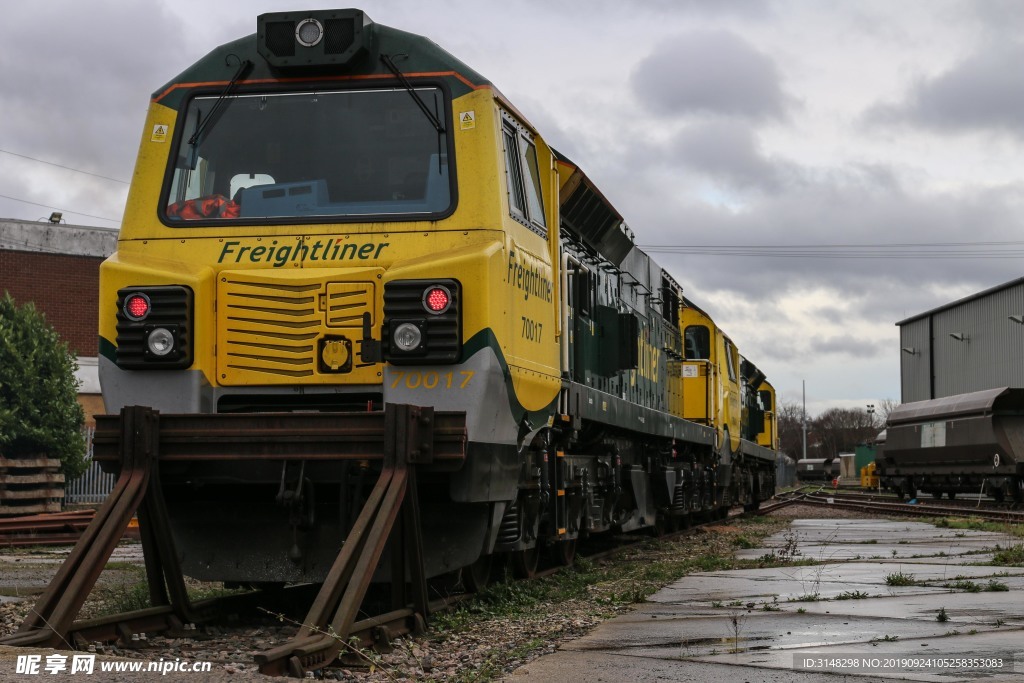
803,383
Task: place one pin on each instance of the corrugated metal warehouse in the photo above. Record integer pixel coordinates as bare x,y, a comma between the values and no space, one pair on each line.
968,345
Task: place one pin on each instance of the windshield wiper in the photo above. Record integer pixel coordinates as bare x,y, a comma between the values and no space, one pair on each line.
201,126
431,116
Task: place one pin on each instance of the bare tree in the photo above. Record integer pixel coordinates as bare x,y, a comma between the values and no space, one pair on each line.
885,408
791,429
839,430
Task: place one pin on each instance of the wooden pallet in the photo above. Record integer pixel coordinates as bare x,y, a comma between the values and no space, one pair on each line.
30,485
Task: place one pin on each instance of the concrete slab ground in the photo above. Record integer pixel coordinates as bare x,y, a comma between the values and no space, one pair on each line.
913,605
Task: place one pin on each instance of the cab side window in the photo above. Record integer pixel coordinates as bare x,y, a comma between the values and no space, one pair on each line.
697,339
730,361
525,200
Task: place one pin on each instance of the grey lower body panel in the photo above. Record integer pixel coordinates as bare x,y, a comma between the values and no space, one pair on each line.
591,404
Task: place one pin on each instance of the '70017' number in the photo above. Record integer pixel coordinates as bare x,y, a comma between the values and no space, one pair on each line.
432,379
532,329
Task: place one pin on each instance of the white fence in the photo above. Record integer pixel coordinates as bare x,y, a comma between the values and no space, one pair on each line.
93,486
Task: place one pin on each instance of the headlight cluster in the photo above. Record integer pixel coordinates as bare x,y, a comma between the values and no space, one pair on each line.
154,327
422,321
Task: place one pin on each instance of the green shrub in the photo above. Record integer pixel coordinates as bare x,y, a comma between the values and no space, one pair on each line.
39,410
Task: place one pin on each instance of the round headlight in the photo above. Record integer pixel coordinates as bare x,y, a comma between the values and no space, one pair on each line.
407,337
309,32
160,342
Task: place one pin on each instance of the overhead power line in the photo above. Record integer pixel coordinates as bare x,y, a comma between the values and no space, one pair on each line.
58,208
67,168
933,250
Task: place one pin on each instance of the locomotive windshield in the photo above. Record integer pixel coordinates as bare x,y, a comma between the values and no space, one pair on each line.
311,155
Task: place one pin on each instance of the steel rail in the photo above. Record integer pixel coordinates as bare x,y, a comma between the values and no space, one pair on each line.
920,510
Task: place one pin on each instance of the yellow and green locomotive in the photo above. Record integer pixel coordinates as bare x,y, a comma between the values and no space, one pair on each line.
332,215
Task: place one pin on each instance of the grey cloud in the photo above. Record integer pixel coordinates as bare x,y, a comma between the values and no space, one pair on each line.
983,92
78,97
728,151
710,72
827,207
848,346
749,9
999,17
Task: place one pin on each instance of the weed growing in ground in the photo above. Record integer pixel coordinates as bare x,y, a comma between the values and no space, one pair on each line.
942,616
964,585
736,622
852,595
744,542
900,579
1009,557
976,524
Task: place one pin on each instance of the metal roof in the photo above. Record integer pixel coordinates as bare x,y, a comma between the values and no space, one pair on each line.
979,295
974,403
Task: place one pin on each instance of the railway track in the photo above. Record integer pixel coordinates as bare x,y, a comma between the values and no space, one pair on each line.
57,528
892,506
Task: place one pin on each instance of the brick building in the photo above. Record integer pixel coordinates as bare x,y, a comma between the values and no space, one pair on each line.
57,267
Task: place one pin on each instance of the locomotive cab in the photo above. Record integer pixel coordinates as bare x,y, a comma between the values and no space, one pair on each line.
333,215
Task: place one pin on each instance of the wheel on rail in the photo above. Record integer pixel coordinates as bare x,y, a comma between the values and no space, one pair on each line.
1018,491
998,495
563,553
663,524
446,584
477,576
951,495
525,562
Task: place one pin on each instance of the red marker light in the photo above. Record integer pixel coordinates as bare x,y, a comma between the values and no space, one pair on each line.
136,306
437,299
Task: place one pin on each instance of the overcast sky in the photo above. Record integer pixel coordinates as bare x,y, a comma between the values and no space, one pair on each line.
709,124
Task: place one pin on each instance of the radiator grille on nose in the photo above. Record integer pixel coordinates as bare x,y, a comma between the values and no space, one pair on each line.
272,326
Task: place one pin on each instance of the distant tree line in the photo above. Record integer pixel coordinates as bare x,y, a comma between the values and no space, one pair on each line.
835,431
